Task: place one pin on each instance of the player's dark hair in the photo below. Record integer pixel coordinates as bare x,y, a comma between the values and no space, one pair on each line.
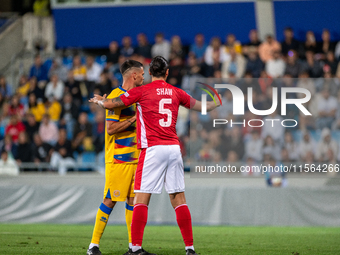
158,66
128,64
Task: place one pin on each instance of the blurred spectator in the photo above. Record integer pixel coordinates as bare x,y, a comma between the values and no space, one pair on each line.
62,155
99,131
3,108
35,89
41,150
82,134
39,70
313,67
59,69
15,107
5,88
305,82
31,125
276,66
327,106
235,143
143,47
330,63
7,165
294,66
93,71
105,84
14,128
198,48
253,147
176,71
126,50
292,147
306,145
232,43
54,89
274,178
272,127
79,70
25,153
289,43
227,105
254,42
9,146
326,144
113,55
72,86
37,109
23,87
310,43
270,147
215,52
268,47
236,65
176,48
69,113
325,45
48,130
161,47
337,51
53,109
254,63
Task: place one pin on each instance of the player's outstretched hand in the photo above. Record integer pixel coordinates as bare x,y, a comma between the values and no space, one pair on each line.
97,98
217,100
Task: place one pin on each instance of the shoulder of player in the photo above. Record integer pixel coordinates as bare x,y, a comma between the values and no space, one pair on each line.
116,92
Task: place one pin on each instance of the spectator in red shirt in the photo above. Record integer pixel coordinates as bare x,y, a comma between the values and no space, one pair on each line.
14,128
15,107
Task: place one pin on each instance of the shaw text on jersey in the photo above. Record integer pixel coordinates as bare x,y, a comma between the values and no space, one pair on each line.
164,91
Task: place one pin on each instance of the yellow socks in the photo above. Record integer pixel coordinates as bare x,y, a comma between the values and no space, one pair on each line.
101,221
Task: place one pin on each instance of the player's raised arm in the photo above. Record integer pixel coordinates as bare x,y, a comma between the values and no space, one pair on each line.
108,104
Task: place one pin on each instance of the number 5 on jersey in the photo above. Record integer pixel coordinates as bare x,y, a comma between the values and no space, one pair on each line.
168,112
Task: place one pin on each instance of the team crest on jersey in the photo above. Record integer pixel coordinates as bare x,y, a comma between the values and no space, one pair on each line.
116,193
126,94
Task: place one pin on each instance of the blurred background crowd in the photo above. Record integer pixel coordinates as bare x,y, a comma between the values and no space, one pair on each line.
46,117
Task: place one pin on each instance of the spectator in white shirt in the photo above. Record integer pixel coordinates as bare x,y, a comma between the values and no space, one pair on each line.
54,89
326,110
254,145
161,47
93,70
276,66
326,143
236,65
306,146
215,47
292,147
272,127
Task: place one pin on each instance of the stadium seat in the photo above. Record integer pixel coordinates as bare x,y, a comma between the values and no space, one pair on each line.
87,158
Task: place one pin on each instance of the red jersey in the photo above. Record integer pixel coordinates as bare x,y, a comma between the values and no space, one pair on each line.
157,111
15,130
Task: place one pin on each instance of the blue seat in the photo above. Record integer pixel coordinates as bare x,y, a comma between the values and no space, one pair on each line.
88,157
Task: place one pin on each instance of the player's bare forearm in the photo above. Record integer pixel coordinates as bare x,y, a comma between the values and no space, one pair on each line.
117,127
108,104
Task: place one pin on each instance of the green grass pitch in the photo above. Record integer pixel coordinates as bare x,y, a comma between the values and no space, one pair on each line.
166,240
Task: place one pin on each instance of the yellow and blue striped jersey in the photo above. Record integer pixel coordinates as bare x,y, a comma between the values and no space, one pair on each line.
121,148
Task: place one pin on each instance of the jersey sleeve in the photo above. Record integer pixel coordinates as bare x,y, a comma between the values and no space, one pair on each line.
132,96
186,100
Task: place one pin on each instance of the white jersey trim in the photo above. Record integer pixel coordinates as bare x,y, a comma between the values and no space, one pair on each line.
143,140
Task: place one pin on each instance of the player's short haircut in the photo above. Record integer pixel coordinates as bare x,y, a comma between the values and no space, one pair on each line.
128,65
158,66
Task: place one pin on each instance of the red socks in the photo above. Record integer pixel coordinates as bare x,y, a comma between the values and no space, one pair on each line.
184,222
139,219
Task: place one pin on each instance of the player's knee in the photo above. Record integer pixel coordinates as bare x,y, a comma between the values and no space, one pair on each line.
109,203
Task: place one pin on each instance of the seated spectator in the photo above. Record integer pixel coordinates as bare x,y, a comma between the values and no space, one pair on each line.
93,70
15,107
176,71
54,89
235,143
72,86
272,148
289,43
232,43
113,55
79,70
268,47
31,125
325,45
313,67
24,154
3,109
176,48
215,51
292,147
82,133
161,47
39,70
37,109
62,154
105,84
48,130
14,128
276,66
23,87
254,42
53,109
8,165
99,131
215,67
327,107
69,113
307,145
198,48
330,63
143,48
273,129
305,82
253,147
9,146
325,144
41,150
310,43
59,69
254,63
274,178
293,67
236,65
227,105
35,89
126,50
5,88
